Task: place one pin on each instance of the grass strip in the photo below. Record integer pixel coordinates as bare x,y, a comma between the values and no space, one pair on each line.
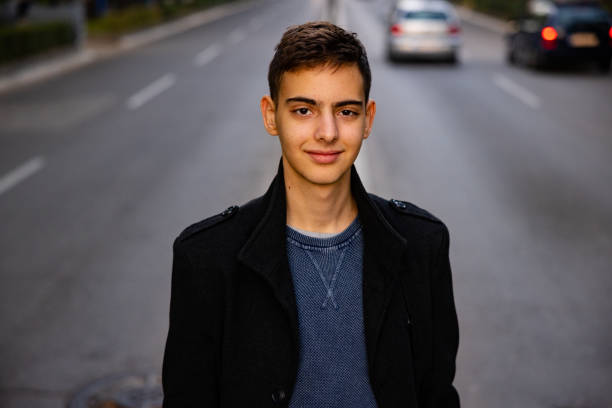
137,17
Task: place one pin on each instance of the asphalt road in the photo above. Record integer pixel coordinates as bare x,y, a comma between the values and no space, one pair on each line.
101,168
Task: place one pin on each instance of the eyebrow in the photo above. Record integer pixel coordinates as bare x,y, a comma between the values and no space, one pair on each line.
346,103
301,99
313,102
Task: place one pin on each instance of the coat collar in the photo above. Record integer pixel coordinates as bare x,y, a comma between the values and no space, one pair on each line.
265,252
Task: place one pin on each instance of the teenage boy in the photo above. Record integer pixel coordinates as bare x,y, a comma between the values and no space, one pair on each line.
316,294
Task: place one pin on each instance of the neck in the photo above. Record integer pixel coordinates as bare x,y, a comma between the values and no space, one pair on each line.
319,208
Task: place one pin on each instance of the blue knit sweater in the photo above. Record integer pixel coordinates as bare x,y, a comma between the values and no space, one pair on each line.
327,277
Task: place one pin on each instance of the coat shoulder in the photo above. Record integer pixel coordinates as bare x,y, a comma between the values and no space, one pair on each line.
207,223
405,216
226,226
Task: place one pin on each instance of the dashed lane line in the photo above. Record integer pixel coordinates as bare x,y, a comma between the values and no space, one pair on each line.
151,91
21,173
236,36
522,94
207,55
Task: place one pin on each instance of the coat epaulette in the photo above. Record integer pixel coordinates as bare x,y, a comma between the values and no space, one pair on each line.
407,208
208,223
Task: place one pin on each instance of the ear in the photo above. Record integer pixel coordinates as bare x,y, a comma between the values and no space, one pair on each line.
268,114
370,113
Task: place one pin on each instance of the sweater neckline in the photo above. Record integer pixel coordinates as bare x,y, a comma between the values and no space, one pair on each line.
336,240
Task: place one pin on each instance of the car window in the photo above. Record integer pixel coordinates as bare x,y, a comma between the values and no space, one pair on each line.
421,15
532,25
573,15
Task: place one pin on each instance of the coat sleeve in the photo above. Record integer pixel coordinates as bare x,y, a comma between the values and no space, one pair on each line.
445,331
190,365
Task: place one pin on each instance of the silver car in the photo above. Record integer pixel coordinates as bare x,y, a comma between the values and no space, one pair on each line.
424,28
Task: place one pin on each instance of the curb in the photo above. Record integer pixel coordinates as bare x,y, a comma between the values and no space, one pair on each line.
91,53
484,21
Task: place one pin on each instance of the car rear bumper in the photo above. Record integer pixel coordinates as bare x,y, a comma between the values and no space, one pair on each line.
422,46
563,51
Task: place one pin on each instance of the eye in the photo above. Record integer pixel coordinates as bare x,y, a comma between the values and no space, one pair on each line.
348,112
302,111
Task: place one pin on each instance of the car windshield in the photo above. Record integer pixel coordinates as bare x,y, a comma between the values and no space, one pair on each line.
578,14
421,15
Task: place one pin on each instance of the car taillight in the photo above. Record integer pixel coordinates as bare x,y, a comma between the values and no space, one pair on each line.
396,29
549,34
610,33
454,29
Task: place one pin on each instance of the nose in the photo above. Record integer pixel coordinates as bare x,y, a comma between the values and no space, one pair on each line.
328,129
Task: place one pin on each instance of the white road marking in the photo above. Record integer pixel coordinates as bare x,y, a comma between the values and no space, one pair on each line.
207,55
49,69
516,90
21,173
151,91
236,36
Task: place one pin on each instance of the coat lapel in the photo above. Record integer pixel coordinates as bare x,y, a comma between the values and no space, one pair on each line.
265,251
384,252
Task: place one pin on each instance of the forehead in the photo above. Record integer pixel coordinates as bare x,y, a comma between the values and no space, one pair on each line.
323,82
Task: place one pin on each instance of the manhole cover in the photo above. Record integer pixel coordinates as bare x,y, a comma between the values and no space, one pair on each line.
121,391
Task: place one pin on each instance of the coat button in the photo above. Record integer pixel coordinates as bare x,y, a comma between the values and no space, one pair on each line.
279,396
230,210
399,204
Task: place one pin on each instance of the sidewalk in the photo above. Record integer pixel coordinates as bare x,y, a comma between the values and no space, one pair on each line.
38,70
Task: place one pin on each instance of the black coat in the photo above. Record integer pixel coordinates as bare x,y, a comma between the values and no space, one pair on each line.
233,336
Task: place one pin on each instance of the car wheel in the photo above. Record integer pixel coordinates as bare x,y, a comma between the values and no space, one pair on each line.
511,58
539,61
604,65
519,58
391,57
511,55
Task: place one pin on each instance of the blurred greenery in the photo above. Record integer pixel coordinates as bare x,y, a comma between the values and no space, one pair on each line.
45,2
18,41
117,22
22,38
121,21
500,8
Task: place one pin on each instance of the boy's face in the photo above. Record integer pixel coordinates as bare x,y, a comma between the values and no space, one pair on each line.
321,119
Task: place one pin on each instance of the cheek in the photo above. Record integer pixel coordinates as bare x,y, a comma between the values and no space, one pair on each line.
293,137
298,131
354,131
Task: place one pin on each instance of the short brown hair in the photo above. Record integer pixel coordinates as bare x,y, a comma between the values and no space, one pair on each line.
314,44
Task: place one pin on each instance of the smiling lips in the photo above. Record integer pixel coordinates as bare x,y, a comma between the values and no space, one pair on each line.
324,157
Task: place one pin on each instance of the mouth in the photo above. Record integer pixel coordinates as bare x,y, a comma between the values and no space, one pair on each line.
324,157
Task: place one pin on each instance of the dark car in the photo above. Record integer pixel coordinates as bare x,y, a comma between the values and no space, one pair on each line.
562,31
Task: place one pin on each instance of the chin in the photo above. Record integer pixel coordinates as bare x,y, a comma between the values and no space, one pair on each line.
323,181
